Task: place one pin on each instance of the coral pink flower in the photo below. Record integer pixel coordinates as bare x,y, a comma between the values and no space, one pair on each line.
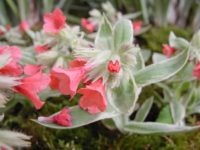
137,25
114,67
93,99
77,63
30,69
31,86
12,68
23,26
54,22
67,80
196,71
62,118
41,48
88,25
8,27
168,51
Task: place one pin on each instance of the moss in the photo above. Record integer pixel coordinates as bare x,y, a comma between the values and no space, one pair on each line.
94,136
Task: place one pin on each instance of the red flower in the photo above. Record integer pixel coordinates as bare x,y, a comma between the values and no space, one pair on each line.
88,25
67,80
31,86
137,25
23,26
77,63
114,67
11,68
168,51
93,99
196,71
54,22
30,69
41,48
62,118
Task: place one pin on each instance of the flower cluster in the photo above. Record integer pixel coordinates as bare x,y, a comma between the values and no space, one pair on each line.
106,76
92,23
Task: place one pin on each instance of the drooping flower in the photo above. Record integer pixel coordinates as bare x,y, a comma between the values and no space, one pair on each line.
62,118
93,99
12,68
32,85
196,71
41,48
23,26
137,25
168,51
30,69
67,80
54,22
87,24
114,67
77,63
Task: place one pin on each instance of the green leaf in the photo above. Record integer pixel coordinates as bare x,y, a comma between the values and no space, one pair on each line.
123,98
144,110
28,56
123,33
146,54
154,127
185,74
140,62
103,39
177,111
177,42
161,70
196,40
81,117
109,123
165,115
13,7
120,121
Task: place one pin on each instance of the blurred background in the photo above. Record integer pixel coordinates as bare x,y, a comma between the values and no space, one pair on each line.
161,16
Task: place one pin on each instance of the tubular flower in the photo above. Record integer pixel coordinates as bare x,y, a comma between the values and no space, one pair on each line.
23,26
168,51
137,25
30,69
93,99
196,71
54,22
67,80
87,24
41,48
32,85
62,118
11,68
77,63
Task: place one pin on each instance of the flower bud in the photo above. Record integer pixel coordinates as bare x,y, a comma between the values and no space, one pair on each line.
114,67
